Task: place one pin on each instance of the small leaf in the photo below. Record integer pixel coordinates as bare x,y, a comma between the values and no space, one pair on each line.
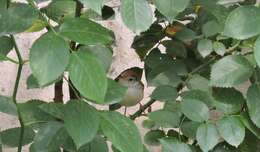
10,137
171,8
32,82
136,14
121,131
152,137
230,71
173,145
88,76
6,45
164,93
240,26
257,51
205,47
253,104
195,110
49,57
231,129
165,118
207,136
7,106
198,82
85,31
211,28
84,128
94,5
219,48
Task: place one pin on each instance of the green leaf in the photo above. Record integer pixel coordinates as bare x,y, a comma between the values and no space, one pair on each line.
136,14
198,82
164,93
175,48
219,48
54,109
189,128
250,143
6,45
17,18
37,25
228,100
257,51
32,82
85,31
152,137
249,124
94,5
211,28
7,106
103,53
163,118
230,71
121,131
84,128
231,129
253,104
10,137
240,26
195,110
185,35
173,145
49,57
115,92
171,8
108,13
90,82
174,107
31,113
46,138
207,136
205,47
97,145
148,124
200,95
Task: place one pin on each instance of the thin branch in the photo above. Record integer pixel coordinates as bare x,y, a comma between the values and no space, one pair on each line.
11,60
142,109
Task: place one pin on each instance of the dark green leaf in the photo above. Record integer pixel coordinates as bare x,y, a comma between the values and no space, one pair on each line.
175,48
174,107
164,93
95,5
189,128
6,45
115,92
249,124
230,71
32,82
49,57
152,137
253,104
84,128
136,14
205,47
195,110
250,143
107,13
257,51
240,26
165,118
207,136
54,109
10,137
203,96
219,48
85,31
88,76
7,106
224,147
198,82
211,28
121,131
231,129
97,145
173,145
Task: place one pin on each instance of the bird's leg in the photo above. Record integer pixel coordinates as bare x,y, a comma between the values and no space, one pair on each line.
125,111
140,105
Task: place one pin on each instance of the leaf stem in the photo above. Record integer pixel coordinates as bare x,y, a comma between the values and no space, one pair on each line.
11,60
18,76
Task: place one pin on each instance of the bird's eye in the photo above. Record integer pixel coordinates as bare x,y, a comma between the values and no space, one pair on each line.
131,79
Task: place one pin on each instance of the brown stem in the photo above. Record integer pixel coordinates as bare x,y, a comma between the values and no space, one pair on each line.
58,94
142,109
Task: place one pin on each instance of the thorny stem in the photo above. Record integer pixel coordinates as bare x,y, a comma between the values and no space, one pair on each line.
18,76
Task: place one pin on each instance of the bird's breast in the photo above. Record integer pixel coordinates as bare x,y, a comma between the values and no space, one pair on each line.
133,96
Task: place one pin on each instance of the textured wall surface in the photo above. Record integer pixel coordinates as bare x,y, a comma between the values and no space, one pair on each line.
124,57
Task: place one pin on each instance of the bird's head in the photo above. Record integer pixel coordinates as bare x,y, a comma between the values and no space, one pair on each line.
130,77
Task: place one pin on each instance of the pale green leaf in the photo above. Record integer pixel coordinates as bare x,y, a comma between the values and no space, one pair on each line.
257,51
253,103
219,48
173,145
211,28
205,47
7,106
165,118
164,93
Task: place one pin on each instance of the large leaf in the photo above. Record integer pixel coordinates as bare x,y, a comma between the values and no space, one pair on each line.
231,129
207,136
253,103
88,76
17,18
136,14
257,51
164,93
230,105
173,145
211,28
121,131
85,31
96,5
203,96
6,45
115,92
195,110
81,121
165,118
230,71
240,26
7,106
10,137
171,8
49,57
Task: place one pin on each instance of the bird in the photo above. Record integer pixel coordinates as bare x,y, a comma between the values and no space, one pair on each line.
130,78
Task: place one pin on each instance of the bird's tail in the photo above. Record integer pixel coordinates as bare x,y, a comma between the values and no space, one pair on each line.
114,106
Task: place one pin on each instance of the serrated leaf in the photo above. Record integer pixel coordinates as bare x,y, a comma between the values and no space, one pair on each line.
207,136
198,82
85,31
173,145
203,96
239,26
253,103
205,47
257,51
175,48
230,71
195,110
90,82
136,14
164,93
49,57
152,137
115,92
165,118
231,129
121,131
7,106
